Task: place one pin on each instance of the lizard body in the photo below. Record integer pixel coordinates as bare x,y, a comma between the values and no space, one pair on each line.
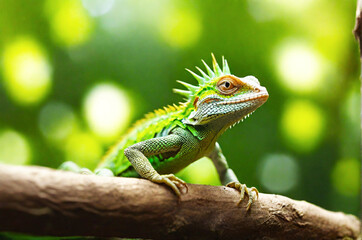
169,139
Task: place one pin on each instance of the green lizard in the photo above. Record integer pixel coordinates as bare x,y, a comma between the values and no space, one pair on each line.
168,140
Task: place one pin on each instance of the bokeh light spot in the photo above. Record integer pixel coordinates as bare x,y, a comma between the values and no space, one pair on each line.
14,148
83,149
180,28
202,171
98,7
56,121
279,173
107,111
291,6
265,10
302,125
299,66
69,21
345,177
27,73
352,106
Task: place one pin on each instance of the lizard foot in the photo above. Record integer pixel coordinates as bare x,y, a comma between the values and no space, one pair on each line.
252,193
172,181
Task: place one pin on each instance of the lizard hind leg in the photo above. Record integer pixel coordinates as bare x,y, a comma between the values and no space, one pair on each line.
228,177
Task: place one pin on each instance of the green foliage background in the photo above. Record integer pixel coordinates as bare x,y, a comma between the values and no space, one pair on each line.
302,51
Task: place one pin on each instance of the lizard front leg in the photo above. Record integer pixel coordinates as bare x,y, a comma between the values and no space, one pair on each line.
228,177
137,154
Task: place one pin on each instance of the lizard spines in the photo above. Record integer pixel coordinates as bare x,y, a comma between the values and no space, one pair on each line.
217,69
203,73
193,89
199,79
184,93
211,74
208,69
225,66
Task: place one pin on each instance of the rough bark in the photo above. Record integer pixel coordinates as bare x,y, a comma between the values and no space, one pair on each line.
42,201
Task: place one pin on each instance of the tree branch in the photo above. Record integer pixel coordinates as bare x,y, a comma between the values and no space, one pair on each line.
357,31
42,201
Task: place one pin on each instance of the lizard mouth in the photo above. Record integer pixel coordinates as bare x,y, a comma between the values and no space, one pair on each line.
262,96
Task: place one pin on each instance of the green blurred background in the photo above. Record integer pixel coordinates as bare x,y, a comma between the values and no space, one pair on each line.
75,74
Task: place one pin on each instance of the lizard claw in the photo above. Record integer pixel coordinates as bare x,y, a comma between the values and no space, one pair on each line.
172,181
253,193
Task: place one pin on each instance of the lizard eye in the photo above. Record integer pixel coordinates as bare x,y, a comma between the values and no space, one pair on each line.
226,86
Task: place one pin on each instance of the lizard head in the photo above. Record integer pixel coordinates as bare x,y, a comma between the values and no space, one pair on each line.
221,96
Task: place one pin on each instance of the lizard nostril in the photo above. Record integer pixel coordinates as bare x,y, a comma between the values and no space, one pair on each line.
256,90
